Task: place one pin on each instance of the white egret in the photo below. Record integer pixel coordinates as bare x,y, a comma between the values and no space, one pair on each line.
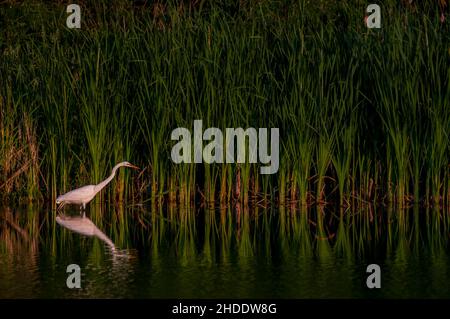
83,195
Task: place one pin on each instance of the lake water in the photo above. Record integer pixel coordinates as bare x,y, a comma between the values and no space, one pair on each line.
139,252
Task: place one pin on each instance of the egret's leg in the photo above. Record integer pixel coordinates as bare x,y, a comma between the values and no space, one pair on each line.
82,208
61,214
58,208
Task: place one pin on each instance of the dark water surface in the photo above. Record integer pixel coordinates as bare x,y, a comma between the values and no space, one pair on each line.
137,252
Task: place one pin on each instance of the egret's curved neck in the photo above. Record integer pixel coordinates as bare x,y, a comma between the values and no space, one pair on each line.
101,185
102,236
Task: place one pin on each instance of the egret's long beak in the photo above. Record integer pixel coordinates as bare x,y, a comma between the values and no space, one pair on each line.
133,167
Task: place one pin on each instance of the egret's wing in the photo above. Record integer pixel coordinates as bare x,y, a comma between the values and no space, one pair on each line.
79,194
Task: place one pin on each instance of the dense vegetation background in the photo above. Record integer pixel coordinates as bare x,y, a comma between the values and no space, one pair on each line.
363,114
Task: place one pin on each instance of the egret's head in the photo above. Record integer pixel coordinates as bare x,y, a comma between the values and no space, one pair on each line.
127,164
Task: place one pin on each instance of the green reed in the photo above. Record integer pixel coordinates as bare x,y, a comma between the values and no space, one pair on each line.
363,114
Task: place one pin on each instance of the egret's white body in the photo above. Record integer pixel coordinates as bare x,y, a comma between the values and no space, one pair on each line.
83,195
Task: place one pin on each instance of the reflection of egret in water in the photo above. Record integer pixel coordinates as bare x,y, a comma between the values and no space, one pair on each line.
84,226
118,275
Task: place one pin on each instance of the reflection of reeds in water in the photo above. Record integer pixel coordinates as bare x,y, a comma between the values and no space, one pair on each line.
186,236
216,235
19,231
216,232
198,239
343,242
19,250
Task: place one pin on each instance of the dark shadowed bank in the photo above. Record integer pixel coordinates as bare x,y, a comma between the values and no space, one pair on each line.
363,114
